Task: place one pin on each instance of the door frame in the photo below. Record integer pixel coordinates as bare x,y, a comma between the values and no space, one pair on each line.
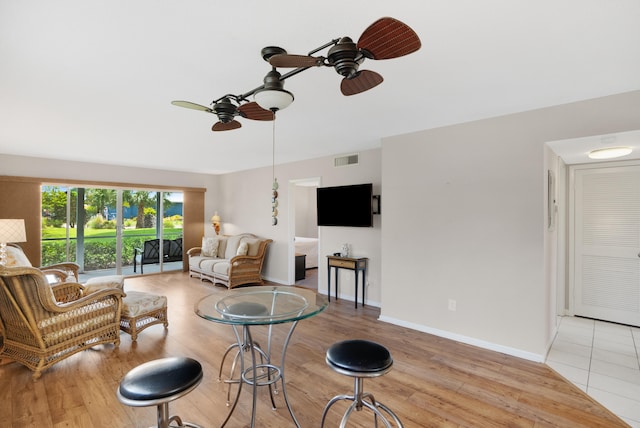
291,212
572,221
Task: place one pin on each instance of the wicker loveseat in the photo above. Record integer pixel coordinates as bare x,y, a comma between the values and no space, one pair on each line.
229,260
38,331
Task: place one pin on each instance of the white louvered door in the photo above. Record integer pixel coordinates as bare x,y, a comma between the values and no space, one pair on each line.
607,244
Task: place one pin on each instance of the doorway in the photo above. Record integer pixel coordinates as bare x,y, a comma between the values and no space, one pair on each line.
304,240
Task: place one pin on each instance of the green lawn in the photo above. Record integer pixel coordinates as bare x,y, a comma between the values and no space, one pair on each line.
61,233
99,245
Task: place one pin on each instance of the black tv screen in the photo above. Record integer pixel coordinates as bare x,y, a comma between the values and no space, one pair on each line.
345,205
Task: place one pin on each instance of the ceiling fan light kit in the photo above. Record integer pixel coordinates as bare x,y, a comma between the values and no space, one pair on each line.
273,99
272,96
386,38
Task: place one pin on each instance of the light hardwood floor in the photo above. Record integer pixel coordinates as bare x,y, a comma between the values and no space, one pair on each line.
435,382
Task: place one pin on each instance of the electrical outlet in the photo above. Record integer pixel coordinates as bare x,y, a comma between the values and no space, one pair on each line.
452,305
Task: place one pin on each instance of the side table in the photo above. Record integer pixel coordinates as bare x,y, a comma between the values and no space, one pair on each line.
247,307
355,264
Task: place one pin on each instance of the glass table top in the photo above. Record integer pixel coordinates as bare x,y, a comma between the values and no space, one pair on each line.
261,305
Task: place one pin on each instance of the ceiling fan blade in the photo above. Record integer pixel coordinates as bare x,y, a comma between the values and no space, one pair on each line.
388,38
362,81
220,126
295,61
254,112
194,106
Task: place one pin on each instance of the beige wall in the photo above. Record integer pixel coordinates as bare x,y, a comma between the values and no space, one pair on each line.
464,219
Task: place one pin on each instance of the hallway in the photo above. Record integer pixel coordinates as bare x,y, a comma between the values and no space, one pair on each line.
603,359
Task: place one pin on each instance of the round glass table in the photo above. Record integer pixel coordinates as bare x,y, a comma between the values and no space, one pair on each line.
262,305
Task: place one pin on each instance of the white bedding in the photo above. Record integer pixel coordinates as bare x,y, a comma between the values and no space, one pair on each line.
308,246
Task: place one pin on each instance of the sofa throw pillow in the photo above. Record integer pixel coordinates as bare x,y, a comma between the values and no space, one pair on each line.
254,246
209,247
242,249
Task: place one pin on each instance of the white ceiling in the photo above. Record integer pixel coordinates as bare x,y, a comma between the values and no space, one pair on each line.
92,80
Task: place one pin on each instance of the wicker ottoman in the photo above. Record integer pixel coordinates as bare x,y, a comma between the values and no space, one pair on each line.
141,310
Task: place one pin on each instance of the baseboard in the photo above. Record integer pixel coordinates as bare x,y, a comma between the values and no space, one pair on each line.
468,340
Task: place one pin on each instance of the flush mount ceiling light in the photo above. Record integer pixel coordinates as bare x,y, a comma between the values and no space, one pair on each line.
609,152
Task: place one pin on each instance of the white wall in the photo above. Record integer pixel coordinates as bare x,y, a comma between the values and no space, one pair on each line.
247,206
464,219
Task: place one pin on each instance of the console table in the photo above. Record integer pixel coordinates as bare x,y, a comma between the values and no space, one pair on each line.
355,264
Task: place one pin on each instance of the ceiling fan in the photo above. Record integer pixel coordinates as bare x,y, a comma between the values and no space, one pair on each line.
386,38
227,108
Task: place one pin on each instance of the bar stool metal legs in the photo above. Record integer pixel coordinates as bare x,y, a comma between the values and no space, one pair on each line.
360,359
158,382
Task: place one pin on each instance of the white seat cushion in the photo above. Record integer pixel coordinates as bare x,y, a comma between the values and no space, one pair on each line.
209,264
222,268
138,302
196,261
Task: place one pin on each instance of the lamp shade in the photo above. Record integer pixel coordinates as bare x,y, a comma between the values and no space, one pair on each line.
12,230
273,99
216,218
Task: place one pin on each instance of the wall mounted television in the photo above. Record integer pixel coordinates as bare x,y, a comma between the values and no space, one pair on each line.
345,205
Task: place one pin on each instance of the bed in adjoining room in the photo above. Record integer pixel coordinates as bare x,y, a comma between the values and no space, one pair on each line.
308,247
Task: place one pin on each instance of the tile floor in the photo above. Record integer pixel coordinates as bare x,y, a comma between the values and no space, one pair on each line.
603,359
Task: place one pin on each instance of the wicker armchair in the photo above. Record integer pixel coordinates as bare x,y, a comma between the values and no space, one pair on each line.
39,331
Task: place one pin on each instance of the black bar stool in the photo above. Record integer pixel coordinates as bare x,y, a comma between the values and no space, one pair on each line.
360,359
158,382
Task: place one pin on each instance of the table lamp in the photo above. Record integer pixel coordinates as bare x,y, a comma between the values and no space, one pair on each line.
215,221
11,230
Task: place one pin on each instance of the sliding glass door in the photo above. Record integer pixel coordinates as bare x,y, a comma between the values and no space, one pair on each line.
104,229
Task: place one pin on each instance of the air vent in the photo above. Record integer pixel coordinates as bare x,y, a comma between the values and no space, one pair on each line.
346,160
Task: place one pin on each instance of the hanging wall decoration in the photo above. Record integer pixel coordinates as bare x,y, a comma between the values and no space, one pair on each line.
274,203
274,186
